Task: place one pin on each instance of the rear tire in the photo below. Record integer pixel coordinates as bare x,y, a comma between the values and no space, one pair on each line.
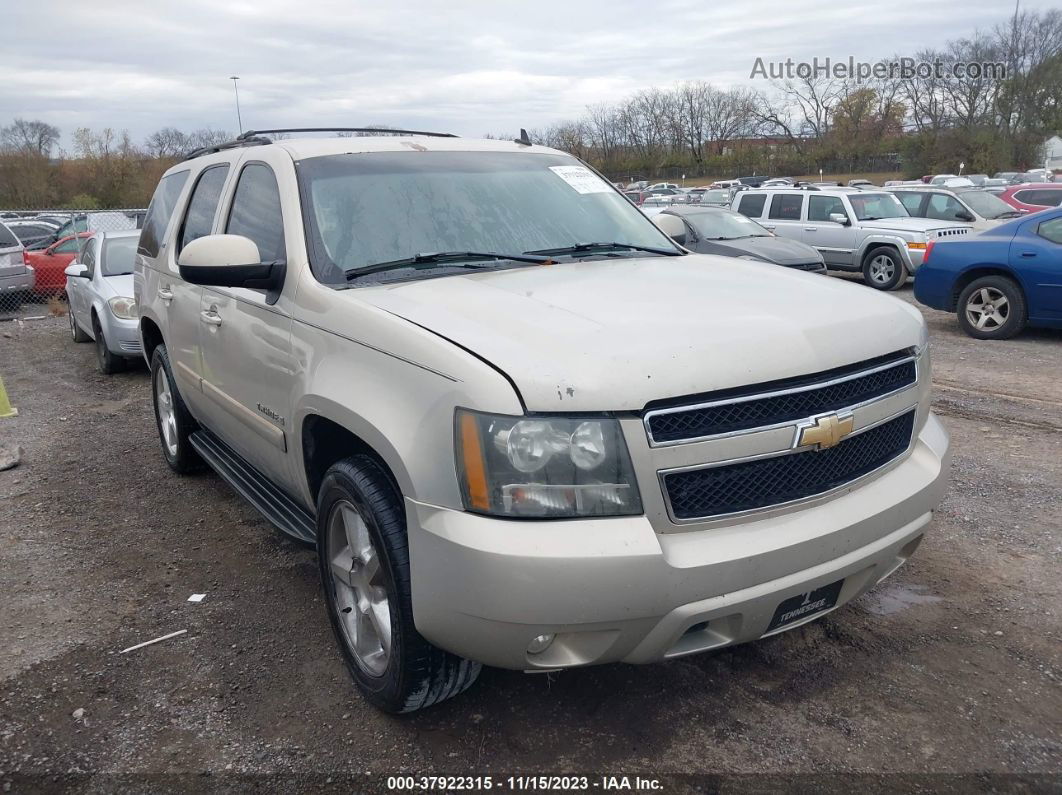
992,308
364,558
76,332
884,270
108,363
174,421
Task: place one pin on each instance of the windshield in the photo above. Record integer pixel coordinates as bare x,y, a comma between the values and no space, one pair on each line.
364,209
988,205
118,255
725,226
872,206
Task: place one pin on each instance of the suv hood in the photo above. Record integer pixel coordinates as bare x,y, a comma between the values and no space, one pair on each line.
910,224
616,334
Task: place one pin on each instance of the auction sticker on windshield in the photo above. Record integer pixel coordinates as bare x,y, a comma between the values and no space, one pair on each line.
582,179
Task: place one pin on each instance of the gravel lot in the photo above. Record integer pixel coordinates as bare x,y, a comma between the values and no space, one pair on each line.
954,666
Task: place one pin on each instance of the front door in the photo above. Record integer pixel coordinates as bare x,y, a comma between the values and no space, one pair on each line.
245,336
833,240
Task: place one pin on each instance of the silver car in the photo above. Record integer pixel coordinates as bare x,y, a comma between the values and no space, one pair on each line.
99,286
16,277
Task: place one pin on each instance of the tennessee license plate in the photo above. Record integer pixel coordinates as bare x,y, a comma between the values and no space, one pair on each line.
797,608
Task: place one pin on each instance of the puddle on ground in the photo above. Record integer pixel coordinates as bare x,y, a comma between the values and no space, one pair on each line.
894,597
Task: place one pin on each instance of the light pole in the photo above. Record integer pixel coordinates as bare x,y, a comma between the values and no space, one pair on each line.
239,120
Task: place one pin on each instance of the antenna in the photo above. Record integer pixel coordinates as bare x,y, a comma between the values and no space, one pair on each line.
524,139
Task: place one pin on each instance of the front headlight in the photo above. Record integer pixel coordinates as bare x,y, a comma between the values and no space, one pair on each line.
544,466
123,308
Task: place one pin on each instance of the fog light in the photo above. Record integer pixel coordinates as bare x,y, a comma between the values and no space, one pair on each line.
540,644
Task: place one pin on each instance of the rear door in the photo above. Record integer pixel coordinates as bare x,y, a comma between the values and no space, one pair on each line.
785,215
913,202
181,299
245,335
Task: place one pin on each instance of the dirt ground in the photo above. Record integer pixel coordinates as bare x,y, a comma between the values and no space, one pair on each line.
946,677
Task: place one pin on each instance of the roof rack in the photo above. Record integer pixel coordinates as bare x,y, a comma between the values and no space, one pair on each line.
257,137
376,130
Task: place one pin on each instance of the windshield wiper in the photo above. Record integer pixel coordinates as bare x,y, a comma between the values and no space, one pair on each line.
580,248
439,258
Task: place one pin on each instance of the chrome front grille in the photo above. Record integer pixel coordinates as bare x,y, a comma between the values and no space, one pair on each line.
780,402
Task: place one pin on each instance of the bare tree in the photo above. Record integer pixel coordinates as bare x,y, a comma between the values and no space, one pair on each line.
30,136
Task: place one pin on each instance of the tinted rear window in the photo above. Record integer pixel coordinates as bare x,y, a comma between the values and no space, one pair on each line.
159,213
7,239
752,206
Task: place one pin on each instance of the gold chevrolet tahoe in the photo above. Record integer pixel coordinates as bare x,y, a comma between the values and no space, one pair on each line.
522,427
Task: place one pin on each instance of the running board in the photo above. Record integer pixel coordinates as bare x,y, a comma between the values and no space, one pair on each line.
269,499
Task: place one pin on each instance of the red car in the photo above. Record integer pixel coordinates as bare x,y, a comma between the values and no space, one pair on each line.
1033,196
50,263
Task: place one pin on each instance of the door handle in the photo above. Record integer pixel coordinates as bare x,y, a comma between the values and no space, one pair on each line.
211,317
770,228
1028,253
811,229
165,293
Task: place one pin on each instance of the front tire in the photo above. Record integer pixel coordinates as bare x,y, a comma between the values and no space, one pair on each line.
884,270
364,559
108,363
76,332
992,308
174,421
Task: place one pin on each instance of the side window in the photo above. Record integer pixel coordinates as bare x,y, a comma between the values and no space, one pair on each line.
88,256
912,202
199,220
1048,198
820,207
751,205
256,214
159,212
786,207
67,247
1051,230
943,208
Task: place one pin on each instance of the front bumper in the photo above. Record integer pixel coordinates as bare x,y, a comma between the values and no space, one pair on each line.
122,336
617,590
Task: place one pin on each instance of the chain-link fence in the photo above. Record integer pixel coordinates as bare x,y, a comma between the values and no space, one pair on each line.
38,246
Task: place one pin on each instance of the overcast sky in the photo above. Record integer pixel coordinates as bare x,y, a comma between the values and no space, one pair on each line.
455,65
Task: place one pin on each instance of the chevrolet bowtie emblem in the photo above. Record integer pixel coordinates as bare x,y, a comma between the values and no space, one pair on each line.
826,431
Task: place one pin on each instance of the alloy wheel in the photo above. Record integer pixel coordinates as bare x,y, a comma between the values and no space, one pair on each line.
361,600
167,414
987,309
882,269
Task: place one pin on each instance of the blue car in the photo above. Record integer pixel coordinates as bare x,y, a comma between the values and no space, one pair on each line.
999,281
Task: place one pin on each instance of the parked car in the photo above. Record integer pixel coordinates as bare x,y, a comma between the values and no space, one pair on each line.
50,263
1006,176
31,231
660,187
105,221
861,184
978,180
940,179
753,182
713,230
17,278
636,196
1033,197
1001,280
528,467
854,230
99,288
971,206
716,197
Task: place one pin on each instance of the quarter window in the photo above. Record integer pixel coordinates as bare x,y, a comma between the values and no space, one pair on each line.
256,212
88,256
199,220
786,207
752,205
1051,230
